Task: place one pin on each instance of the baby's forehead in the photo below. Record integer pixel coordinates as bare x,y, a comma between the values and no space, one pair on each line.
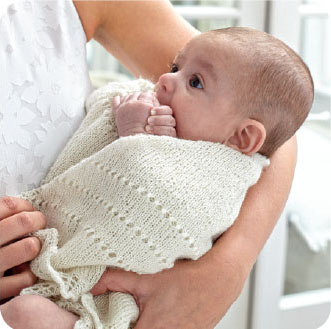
212,47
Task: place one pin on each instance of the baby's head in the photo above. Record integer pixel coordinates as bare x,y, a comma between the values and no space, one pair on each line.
240,87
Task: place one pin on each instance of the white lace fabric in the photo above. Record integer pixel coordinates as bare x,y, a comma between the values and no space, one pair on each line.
44,82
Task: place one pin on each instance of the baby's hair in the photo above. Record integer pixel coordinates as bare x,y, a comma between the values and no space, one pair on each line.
275,88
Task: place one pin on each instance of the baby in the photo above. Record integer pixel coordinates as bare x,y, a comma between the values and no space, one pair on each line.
230,94
237,86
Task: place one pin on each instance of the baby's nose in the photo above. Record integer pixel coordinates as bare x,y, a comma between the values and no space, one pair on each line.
166,82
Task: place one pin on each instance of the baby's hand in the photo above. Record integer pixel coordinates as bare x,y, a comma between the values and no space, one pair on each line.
161,122
132,112
142,113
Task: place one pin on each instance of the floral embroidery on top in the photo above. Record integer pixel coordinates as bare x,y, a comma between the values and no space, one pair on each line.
43,86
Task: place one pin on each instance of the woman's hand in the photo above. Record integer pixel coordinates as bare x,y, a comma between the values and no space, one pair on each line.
17,218
192,294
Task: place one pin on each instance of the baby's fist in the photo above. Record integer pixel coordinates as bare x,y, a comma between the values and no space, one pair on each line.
132,111
161,121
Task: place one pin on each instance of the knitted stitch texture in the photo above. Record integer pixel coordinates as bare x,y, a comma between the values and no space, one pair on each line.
138,203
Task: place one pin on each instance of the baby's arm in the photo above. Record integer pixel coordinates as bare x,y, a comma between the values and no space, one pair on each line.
141,113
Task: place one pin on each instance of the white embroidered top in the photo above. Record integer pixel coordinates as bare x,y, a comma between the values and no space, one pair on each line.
44,82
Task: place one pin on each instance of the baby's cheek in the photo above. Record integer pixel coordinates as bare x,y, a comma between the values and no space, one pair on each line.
188,128
184,123
179,131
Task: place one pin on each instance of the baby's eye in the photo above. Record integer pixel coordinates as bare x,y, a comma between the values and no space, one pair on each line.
174,68
195,82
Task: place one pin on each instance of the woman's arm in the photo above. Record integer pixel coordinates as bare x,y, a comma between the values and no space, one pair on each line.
261,209
197,294
144,36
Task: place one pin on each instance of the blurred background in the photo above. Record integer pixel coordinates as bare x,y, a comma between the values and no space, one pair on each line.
289,287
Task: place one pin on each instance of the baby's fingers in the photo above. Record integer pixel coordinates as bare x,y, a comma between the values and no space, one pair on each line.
133,97
162,120
161,110
161,130
147,98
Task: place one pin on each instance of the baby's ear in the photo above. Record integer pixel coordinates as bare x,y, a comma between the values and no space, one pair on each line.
248,137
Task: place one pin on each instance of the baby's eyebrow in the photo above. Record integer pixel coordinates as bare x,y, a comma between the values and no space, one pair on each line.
180,56
209,67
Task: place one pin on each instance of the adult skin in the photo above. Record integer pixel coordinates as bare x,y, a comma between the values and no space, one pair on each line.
18,218
145,37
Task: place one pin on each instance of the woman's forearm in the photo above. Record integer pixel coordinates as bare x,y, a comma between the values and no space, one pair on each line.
264,202
144,36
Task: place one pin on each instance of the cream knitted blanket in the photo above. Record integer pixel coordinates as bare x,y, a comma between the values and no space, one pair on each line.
138,203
